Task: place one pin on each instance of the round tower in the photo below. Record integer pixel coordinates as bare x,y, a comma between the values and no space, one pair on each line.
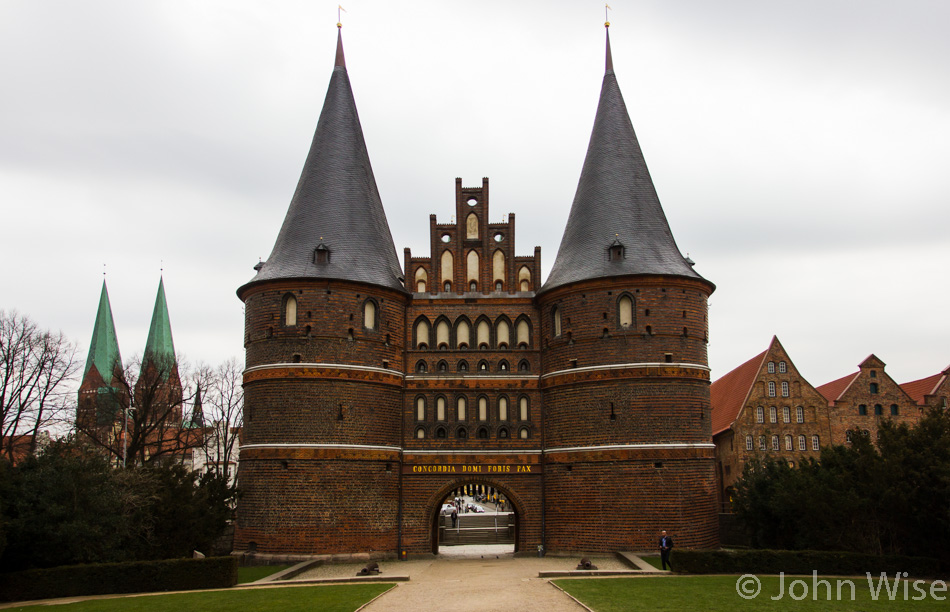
324,330
625,376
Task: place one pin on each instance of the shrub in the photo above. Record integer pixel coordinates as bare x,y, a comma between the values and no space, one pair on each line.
108,578
801,562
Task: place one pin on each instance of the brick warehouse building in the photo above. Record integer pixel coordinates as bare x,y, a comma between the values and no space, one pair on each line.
373,391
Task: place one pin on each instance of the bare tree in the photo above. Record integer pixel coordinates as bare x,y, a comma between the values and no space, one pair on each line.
36,367
148,427
222,413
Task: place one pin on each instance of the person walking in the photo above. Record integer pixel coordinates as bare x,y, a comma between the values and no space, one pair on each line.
666,545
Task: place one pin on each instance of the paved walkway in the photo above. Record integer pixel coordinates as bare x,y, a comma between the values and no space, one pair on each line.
472,578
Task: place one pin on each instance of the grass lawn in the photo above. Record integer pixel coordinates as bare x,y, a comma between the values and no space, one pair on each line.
712,593
256,572
328,598
655,561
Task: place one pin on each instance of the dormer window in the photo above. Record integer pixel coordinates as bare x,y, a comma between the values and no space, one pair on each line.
616,251
321,254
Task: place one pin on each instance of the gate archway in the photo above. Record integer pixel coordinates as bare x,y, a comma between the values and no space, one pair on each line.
497,524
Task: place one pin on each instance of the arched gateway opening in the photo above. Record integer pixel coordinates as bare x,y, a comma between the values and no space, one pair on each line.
475,513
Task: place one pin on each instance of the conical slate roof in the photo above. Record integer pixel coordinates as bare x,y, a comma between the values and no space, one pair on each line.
615,204
104,346
160,345
336,205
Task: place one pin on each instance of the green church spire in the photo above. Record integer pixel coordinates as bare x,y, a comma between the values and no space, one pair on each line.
104,346
160,345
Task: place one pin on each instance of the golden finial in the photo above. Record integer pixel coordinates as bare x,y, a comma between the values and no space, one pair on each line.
339,20
606,15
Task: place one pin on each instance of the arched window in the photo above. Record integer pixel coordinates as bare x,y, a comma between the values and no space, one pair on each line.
799,414
873,387
420,408
463,366
471,226
801,443
771,389
523,334
498,270
442,366
524,366
440,408
483,334
878,409
771,367
784,389
482,408
502,366
290,310
421,279
895,411
786,414
482,433
815,443
447,269
556,317
625,312
461,433
748,443
422,367
460,406
782,367
440,433
502,408
760,415
502,334
471,270
420,433
863,409
523,408
772,415
422,333
523,433
463,333
762,443
503,433
775,443
788,442
524,278
369,315
483,366
442,334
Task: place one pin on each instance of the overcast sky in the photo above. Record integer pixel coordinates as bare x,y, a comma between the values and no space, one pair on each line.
800,150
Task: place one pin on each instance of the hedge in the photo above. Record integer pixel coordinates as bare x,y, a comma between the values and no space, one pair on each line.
801,562
108,578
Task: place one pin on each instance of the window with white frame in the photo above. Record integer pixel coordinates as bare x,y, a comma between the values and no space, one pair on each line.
761,442
773,416
771,367
786,414
782,368
799,414
771,389
775,443
748,443
815,443
760,415
784,388
788,442
802,444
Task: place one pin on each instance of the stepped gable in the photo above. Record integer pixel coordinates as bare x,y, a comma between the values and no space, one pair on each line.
104,346
335,227
615,205
160,345
729,393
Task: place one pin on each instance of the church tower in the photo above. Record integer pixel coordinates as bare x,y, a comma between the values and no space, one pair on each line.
324,333
625,376
103,391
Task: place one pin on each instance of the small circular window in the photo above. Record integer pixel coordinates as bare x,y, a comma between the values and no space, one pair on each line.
499,237
446,237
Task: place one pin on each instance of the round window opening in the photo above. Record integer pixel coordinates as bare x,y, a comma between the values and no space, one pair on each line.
446,237
499,237
472,201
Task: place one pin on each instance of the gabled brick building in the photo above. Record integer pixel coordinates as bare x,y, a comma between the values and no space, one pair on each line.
859,401
375,391
765,409
930,392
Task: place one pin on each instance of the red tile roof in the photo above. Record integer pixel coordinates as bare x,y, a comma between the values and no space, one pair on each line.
728,394
835,388
917,389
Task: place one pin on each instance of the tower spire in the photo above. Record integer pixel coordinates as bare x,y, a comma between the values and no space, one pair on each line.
340,61
160,346
615,204
104,346
609,63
